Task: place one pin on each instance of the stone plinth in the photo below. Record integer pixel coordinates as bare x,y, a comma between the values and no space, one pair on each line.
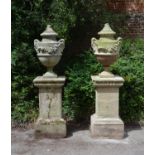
50,121
106,122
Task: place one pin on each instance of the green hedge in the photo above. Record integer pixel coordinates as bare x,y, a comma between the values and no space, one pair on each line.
79,92
130,67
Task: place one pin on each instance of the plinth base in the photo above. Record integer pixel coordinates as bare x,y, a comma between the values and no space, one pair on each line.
112,128
51,128
50,122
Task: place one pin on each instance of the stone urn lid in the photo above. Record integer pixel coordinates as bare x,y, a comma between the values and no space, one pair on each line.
107,31
49,35
48,32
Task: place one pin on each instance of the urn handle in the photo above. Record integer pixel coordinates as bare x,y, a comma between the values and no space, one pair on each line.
93,45
117,46
36,47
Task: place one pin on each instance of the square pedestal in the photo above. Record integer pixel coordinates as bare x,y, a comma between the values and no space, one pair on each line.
106,122
50,122
112,128
51,128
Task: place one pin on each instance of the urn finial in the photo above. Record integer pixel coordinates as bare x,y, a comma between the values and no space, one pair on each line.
49,32
107,31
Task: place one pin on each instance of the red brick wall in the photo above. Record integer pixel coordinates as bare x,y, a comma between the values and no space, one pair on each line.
126,5
134,24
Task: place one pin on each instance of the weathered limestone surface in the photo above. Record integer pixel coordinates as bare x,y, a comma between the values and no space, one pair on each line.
49,50
50,121
106,122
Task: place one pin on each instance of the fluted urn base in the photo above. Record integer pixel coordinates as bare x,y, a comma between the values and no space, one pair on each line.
50,74
49,61
106,60
106,74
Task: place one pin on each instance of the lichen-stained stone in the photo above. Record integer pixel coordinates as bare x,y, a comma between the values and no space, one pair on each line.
106,122
52,128
112,128
50,121
49,50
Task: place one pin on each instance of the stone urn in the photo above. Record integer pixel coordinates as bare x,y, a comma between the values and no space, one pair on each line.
106,122
49,50
106,49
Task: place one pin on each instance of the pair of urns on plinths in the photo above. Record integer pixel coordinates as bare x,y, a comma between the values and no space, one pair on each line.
105,122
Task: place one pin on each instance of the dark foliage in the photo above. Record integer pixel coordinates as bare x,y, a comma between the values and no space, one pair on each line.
77,22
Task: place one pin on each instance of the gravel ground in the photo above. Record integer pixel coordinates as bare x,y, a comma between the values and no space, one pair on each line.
78,142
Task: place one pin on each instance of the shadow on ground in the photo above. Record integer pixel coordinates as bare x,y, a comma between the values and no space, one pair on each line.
77,142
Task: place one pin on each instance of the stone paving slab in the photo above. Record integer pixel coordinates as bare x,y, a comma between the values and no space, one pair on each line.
77,143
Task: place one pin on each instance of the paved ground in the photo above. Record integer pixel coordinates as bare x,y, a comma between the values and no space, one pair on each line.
78,142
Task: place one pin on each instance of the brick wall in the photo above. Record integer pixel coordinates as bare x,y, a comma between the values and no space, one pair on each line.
134,9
